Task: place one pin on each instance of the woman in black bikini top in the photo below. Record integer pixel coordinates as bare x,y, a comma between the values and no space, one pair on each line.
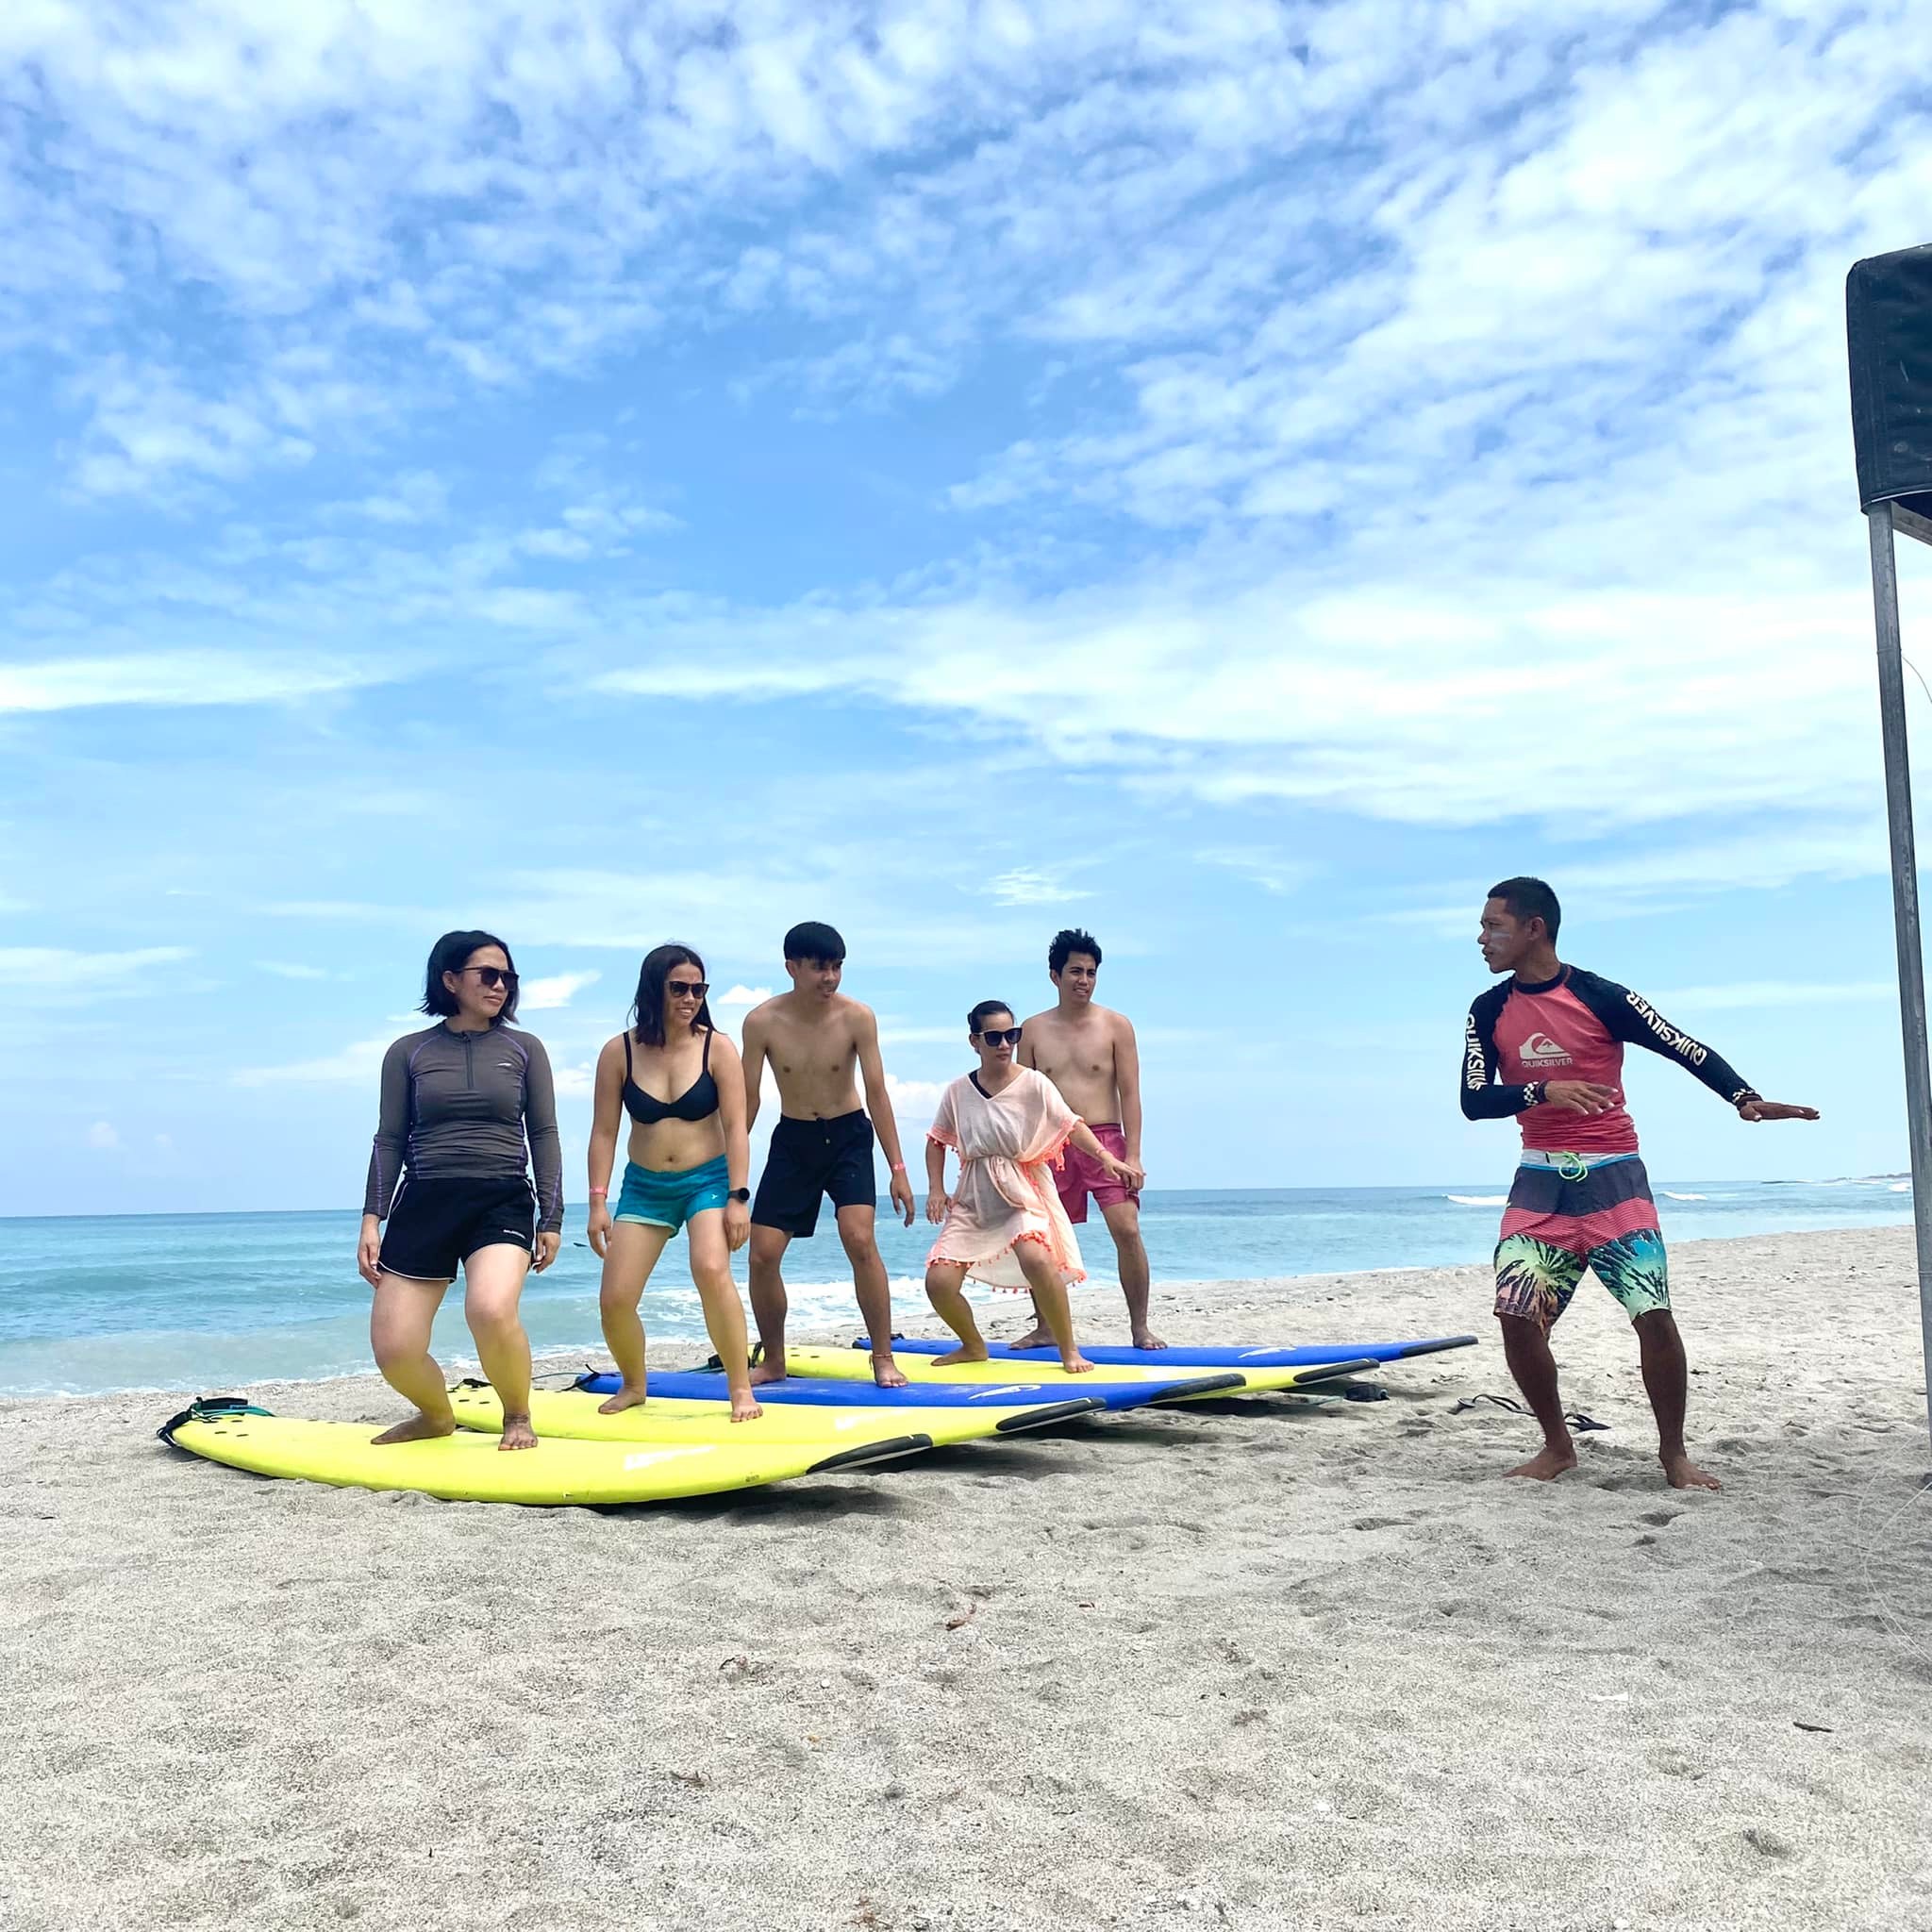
682,1084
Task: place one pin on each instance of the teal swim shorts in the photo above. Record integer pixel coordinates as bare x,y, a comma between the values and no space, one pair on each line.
668,1200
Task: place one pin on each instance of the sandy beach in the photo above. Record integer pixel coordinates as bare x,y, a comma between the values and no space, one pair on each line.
1276,1663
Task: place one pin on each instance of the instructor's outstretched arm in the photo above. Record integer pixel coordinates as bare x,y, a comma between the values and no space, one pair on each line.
1632,1018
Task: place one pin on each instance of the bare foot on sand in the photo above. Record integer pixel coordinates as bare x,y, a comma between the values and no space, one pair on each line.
419,1428
745,1408
1075,1363
625,1398
1682,1474
1146,1338
1546,1465
962,1354
887,1373
771,1370
1034,1337
517,1433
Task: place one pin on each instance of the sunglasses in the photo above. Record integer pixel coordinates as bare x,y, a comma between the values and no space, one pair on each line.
1009,1037
493,976
687,989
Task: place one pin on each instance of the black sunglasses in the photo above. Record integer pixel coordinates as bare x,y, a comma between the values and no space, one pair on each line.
493,977
687,989
1009,1037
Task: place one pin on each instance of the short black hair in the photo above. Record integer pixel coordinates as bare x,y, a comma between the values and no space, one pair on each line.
647,1010
976,1019
1527,898
1066,942
451,953
812,939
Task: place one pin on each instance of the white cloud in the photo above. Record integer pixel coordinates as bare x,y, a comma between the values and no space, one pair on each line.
104,1135
576,1082
283,969
743,996
1027,885
1260,865
416,496
59,969
1772,993
558,990
913,1099
358,1063
176,677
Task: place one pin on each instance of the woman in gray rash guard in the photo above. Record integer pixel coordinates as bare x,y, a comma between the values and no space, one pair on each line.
457,1101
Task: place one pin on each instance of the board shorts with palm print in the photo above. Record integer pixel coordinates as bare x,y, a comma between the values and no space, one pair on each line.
1569,1213
1535,1280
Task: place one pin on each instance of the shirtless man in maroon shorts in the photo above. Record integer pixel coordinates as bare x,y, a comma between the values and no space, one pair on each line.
1088,1052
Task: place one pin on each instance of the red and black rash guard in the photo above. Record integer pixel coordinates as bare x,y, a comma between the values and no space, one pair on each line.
1573,1027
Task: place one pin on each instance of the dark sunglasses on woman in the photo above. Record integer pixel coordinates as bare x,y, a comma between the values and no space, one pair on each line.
687,989
1009,1037
493,977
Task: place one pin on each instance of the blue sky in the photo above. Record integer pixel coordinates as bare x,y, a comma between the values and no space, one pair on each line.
1241,478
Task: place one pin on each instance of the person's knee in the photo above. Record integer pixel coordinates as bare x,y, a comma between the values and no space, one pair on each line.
1656,1325
396,1348
493,1320
861,1249
767,1250
1521,1331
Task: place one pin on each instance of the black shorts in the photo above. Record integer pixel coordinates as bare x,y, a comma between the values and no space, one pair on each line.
435,1225
809,1159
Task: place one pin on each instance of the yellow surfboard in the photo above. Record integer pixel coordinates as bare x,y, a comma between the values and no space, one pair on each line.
854,1365
672,1419
470,1468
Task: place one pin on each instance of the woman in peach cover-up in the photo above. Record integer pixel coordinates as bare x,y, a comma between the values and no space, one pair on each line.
1005,1225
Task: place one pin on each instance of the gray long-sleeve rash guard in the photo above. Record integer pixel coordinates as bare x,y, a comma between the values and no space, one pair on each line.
457,1105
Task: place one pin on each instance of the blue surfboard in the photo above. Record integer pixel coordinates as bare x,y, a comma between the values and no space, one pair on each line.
1231,1355
708,1384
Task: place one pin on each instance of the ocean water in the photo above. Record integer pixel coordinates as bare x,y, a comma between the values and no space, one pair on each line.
218,1301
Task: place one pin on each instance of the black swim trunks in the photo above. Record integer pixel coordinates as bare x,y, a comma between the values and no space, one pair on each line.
809,1159
435,1225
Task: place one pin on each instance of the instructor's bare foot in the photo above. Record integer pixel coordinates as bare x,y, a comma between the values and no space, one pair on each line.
1075,1363
745,1408
1547,1464
517,1433
966,1352
1146,1338
1034,1337
420,1427
625,1398
771,1370
887,1373
1682,1474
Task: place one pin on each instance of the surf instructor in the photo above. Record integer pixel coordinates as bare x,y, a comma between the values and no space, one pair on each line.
1546,1048
460,1100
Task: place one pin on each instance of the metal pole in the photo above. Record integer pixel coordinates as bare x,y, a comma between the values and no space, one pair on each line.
1904,907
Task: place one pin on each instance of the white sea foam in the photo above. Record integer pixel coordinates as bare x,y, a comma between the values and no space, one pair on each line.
1669,1196
1479,1200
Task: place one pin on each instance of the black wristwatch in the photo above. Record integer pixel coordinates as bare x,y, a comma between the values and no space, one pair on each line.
740,1193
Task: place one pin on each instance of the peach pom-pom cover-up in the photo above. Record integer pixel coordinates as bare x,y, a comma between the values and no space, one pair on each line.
1006,1141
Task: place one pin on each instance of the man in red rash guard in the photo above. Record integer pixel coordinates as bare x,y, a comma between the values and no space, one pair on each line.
1547,1047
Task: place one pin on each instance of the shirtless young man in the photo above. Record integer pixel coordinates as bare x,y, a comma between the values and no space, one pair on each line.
1545,1048
1089,1053
817,1041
